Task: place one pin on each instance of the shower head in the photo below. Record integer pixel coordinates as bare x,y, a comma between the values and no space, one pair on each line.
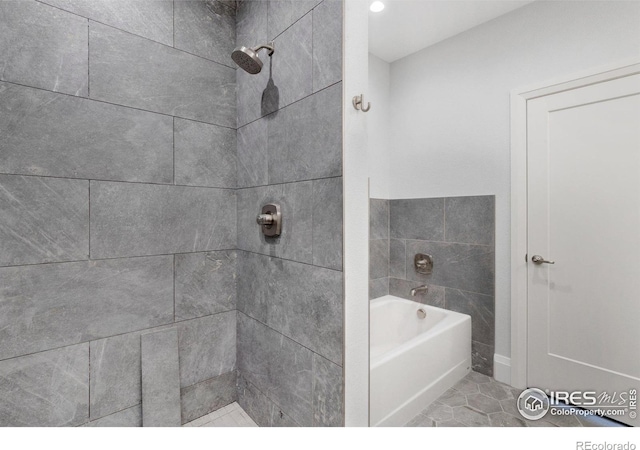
247,58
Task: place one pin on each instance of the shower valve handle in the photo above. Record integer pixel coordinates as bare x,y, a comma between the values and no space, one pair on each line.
265,219
270,220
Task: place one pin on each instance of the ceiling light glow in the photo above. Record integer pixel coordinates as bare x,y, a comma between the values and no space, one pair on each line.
376,6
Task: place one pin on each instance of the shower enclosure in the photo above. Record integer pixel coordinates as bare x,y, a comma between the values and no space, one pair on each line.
135,286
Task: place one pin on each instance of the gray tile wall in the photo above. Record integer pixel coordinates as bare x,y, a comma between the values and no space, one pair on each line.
290,294
117,207
459,233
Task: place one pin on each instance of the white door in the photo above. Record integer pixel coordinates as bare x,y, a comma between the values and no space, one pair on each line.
583,151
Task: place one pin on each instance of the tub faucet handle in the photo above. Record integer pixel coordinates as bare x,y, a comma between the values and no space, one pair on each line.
419,290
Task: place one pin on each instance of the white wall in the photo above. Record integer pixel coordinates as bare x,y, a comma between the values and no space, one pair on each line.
378,126
450,105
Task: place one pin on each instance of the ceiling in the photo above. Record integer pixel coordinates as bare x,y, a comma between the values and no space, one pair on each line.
406,26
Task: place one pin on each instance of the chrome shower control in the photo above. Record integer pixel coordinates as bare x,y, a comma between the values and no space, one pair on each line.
270,220
423,263
264,219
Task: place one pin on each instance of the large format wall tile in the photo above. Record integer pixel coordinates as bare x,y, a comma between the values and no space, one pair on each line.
296,205
206,28
305,139
43,220
301,301
46,389
205,155
327,393
160,379
210,395
292,63
398,259
327,44
130,417
251,23
378,288
420,218
43,47
115,374
482,358
50,134
278,367
52,305
253,154
460,266
470,220
327,223
284,13
138,219
158,78
152,19
480,308
257,405
207,347
378,218
378,258
205,283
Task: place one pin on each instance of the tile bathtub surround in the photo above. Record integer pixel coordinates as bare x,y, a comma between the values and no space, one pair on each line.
459,233
72,314
290,295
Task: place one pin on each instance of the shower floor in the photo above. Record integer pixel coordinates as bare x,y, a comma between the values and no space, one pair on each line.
230,416
480,401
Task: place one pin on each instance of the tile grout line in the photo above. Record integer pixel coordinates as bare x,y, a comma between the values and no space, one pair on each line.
173,147
292,103
141,331
89,228
290,338
285,182
88,60
120,257
289,260
105,102
149,183
172,46
89,390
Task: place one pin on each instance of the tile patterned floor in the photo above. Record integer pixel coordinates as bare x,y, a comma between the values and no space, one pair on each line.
230,416
480,401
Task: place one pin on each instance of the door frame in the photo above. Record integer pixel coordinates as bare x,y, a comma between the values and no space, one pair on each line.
519,99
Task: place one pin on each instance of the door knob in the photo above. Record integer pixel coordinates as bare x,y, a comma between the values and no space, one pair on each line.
537,259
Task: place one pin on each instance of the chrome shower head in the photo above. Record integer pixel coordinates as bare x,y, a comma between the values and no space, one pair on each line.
247,58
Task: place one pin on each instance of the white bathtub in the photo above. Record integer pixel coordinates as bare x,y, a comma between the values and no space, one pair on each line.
414,361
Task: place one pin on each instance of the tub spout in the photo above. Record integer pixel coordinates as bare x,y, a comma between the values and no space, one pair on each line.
419,290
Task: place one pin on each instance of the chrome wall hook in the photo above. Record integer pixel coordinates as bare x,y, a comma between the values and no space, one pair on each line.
358,103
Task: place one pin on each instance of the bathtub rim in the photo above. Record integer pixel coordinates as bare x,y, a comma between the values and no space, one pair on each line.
452,318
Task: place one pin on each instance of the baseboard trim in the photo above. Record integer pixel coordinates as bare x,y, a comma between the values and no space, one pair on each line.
502,368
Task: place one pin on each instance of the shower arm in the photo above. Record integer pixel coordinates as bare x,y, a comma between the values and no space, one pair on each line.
270,48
